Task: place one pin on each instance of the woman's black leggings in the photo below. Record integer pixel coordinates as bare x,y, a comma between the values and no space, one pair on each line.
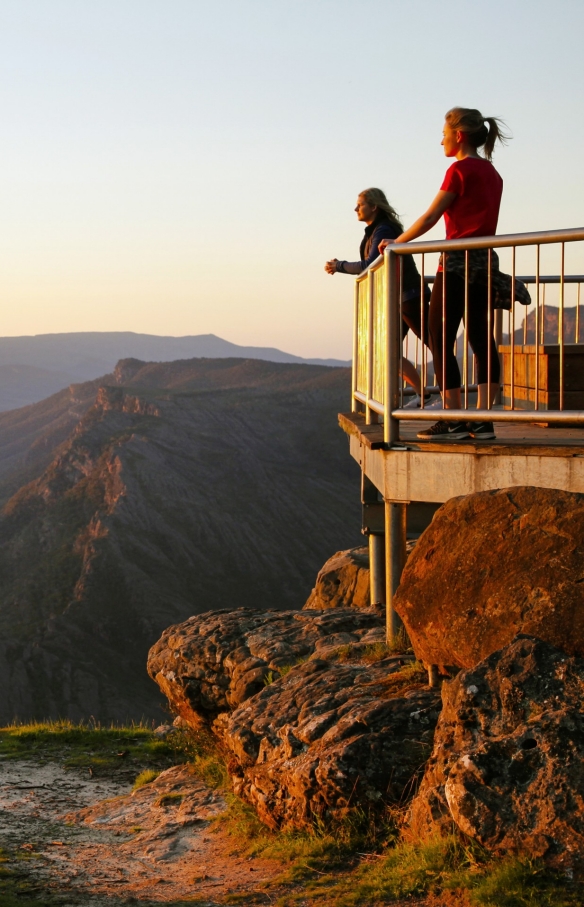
412,318
442,336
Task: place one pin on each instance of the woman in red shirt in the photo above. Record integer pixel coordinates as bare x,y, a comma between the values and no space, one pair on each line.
469,199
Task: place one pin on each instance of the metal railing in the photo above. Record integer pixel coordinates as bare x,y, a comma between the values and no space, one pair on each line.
378,349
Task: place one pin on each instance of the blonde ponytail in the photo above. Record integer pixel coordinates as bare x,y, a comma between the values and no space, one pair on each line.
478,133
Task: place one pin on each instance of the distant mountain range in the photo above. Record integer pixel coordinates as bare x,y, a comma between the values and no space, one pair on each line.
32,368
160,491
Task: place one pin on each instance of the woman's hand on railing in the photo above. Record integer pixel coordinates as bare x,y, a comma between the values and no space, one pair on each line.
331,266
389,242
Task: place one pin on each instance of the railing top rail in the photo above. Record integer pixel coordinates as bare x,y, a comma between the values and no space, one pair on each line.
526,278
491,242
505,240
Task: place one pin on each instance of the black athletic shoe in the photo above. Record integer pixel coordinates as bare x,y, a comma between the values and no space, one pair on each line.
482,431
456,431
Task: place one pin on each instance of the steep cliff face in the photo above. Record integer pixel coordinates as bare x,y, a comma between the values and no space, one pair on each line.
186,486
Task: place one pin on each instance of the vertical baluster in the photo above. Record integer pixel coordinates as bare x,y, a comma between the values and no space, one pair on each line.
561,327
370,415
423,379
465,332
355,363
401,346
578,315
537,327
489,328
444,257
512,331
391,425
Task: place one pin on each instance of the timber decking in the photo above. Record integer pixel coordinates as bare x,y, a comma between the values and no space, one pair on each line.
518,440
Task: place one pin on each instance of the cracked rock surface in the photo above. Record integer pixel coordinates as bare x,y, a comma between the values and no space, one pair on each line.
213,662
507,766
329,737
316,715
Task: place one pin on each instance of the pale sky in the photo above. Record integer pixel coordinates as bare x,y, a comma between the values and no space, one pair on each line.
185,167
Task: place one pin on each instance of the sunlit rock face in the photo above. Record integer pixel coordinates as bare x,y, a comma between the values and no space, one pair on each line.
506,768
492,565
342,582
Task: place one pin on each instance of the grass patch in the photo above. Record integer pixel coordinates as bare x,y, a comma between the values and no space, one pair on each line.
89,745
208,762
169,799
145,777
446,871
283,671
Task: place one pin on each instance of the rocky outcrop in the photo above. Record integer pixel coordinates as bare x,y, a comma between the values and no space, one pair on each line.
315,714
343,582
508,753
327,738
215,661
492,565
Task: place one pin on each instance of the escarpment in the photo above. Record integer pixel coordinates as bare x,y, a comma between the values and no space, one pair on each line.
194,485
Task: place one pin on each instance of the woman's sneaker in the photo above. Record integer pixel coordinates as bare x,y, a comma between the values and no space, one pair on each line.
482,430
416,401
455,431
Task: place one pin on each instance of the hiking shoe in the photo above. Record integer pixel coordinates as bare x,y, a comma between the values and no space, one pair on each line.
482,430
456,431
416,401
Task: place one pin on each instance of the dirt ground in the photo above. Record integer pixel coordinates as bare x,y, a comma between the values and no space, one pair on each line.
92,842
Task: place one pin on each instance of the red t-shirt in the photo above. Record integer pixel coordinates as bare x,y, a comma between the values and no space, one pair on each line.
478,189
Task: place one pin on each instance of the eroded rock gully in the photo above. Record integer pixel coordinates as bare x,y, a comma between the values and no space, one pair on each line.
507,765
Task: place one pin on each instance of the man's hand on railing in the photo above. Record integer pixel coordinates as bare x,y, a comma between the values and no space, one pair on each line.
331,266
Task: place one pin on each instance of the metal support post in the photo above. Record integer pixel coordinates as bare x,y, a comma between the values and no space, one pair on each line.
377,569
373,526
395,558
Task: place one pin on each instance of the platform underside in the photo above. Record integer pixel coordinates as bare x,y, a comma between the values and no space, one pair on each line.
439,470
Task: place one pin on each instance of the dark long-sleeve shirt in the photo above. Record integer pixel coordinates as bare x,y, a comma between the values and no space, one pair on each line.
383,228
369,251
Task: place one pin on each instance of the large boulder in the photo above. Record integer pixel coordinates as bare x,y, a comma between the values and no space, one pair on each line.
343,582
331,737
492,565
213,662
507,765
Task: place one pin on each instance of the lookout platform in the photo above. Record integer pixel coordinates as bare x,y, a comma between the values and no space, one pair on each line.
434,471
537,410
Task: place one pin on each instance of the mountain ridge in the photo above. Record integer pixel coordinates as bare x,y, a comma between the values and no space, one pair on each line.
32,367
183,487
